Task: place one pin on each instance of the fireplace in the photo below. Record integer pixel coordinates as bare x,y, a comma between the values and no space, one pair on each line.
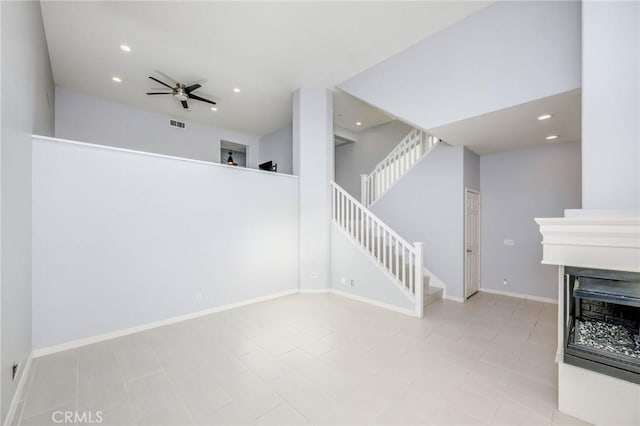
602,321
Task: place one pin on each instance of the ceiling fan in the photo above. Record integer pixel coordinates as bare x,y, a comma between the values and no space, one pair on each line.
180,91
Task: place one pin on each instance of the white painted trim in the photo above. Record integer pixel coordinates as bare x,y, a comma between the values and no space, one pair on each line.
19,390
464,242
152,154
598,242
453,298
434,281
519,295
123,332
410,312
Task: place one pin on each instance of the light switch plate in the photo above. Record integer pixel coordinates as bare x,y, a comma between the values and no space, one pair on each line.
509,242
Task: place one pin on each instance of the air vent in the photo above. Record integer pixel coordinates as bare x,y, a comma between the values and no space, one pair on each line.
178,124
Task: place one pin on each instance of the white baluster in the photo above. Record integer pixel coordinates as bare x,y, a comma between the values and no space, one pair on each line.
404,269
384,248
412,286
343,213
363,190
419,289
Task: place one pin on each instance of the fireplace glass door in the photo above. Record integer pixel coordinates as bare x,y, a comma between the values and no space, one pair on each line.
602,319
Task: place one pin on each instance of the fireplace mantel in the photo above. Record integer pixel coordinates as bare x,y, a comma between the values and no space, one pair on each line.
607,240
593,242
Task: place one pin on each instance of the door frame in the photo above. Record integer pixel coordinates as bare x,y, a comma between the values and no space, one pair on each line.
464,244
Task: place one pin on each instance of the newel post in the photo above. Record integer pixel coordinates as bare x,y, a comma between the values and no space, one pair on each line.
363,190
418,280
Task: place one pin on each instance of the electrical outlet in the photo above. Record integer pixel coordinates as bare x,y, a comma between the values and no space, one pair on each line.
353,283
198,297
313,275
505,282
15,368
509,242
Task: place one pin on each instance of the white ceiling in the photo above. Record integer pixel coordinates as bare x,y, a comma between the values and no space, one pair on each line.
267,49
347,111
518,126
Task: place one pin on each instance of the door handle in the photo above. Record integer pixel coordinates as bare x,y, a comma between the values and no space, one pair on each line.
469,251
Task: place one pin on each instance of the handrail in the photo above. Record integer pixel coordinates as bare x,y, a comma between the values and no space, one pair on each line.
396,164
400,259
396,150
369,213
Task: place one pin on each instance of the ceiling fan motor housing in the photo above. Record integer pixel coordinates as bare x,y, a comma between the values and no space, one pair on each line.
180,93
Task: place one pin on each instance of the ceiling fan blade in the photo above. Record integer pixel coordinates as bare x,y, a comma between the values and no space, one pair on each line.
159,93
173,80
161,82
185,105
198,98
192,87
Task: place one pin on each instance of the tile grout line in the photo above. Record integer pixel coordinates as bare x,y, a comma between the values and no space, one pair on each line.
126,387
77,380
60,405
27,391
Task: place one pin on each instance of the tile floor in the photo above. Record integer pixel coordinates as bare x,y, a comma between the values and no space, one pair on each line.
315,359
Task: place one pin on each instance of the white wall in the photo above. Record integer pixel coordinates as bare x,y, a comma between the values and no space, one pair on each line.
362,156
427,205
27,107
506,54
86,118
516,187
313,162
471,170
123,239
278,147
611,105
350,262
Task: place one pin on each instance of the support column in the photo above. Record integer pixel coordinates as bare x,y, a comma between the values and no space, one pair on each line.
610,105
313,157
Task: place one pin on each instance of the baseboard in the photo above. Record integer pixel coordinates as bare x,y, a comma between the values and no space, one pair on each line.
453,298
19,389
126,331
373,302
131,330
520,296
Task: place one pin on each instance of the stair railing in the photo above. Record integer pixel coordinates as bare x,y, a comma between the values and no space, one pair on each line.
410,149
400,259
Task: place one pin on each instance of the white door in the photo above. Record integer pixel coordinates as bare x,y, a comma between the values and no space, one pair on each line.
472,242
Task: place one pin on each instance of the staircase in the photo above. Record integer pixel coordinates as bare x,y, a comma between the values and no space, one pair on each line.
395,165
400,260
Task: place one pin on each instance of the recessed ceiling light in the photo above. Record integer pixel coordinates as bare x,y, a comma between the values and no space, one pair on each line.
551,137
125,48
116,79
358,124
235,89
544,117
214,109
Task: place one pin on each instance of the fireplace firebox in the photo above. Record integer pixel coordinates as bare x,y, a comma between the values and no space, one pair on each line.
602,321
